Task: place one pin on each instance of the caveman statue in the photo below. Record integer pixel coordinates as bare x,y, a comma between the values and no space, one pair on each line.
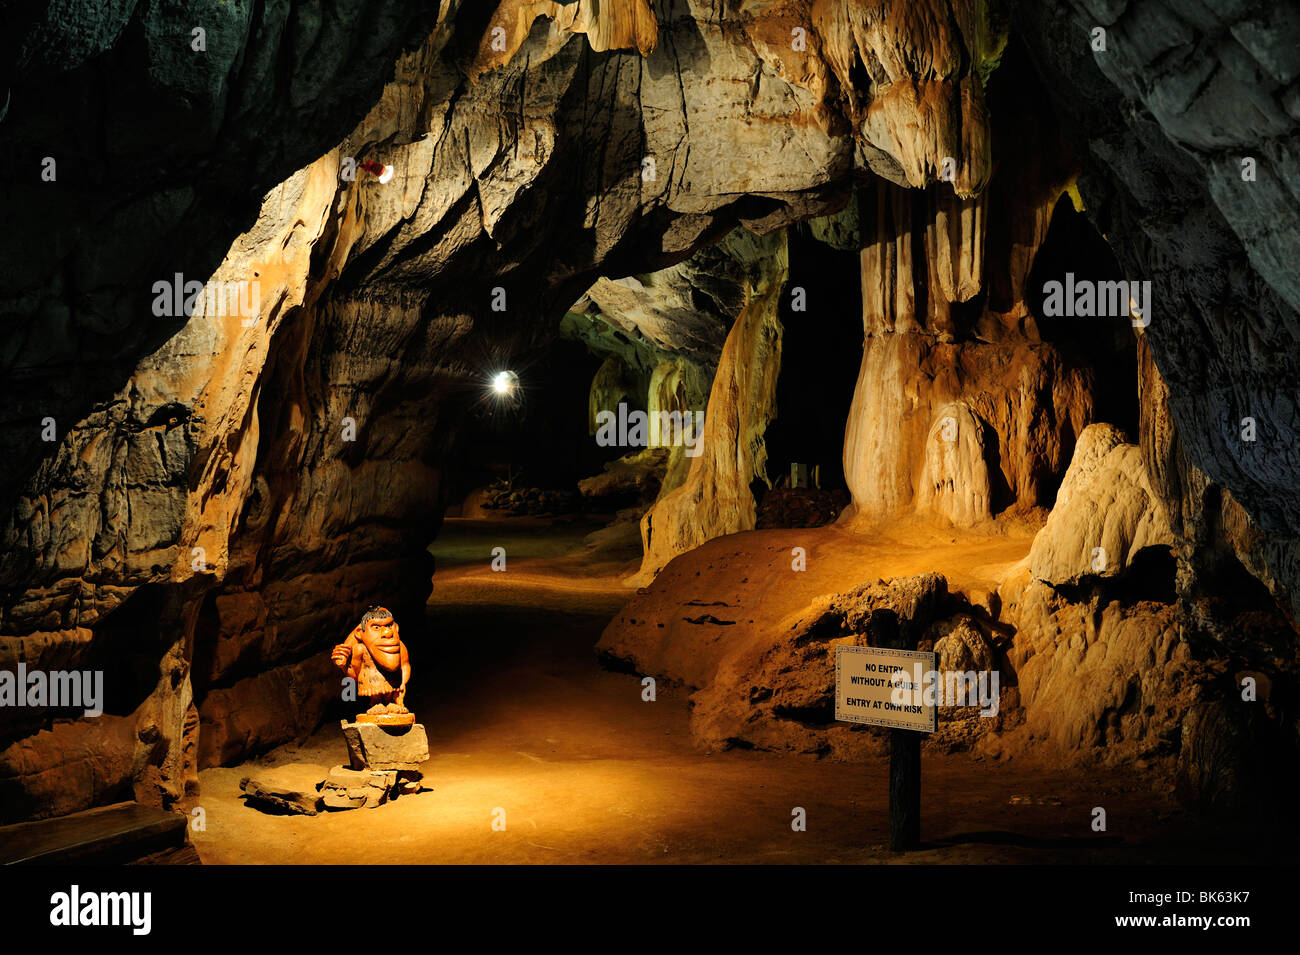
375,657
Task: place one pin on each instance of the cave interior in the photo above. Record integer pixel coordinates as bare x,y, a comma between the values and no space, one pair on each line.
638,356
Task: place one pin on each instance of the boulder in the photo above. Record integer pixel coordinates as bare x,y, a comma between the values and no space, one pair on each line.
778,692
346,788
375,747
635,476
1105,512
964,647
291,789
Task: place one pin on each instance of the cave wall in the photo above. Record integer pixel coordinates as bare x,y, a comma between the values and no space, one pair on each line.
162,153
1165,121
1162,121
1139,662
663,334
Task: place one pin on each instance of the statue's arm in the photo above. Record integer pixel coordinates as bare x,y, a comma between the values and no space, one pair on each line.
345,655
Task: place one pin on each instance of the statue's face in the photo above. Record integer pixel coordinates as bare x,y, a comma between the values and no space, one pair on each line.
380,636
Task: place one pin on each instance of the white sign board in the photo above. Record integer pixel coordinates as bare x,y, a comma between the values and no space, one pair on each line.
866,679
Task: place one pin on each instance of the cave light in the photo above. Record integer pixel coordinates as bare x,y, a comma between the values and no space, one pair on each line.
377,169
504,382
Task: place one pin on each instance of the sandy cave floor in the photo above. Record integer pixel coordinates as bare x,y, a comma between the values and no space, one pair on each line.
521,716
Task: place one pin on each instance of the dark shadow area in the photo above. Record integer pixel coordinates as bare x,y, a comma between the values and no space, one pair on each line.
1082,263
537,438
821,349
128,645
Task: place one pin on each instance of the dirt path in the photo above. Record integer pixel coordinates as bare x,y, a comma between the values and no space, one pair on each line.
522,719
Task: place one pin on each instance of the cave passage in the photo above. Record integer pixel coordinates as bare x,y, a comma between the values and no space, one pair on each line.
478,432
523,718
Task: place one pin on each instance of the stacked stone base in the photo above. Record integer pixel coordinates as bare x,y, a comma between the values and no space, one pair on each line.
347,788
384,763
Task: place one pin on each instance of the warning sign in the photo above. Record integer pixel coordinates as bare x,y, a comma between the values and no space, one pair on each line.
879,687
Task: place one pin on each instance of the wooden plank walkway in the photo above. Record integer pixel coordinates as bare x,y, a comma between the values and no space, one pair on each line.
108,835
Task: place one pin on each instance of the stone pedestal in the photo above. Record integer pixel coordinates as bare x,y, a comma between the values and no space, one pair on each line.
385,763
347,788
372,746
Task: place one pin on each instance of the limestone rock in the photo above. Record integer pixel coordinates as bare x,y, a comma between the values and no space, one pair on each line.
929,356
1221,767
895,426
777,691
291,788
1105,512
715,497
347,788
664,308
608,25
344,799
35,769
276,706
800,507
637,475
1112,677
1207,91
274,88
963,647
196,463
955,479
196,496
375,747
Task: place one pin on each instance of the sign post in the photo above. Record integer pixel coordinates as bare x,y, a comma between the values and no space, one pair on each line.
866,683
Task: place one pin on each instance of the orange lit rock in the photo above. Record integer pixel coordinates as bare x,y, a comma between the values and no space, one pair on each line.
1105,512
955,479
347,788
291,788
205,462
715,497
1107,679
607,25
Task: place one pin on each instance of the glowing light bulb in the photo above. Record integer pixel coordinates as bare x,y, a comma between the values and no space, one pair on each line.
503,382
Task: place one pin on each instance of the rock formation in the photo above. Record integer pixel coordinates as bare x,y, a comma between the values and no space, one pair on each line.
1105,513
714,498
1163,122
955,479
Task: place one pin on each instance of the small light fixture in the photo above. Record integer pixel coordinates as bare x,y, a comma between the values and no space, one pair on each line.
504,382
378,170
